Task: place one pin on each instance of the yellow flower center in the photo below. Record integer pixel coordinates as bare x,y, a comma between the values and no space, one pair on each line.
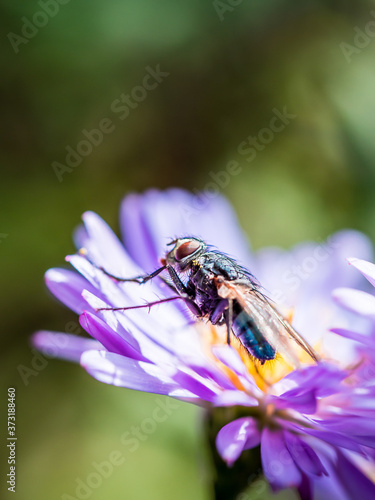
264,375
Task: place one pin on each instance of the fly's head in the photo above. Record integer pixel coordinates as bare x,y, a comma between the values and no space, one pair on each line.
184,251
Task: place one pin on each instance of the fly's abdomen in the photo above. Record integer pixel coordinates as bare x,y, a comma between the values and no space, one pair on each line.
251,337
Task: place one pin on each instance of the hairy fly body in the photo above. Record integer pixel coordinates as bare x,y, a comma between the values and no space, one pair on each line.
219,289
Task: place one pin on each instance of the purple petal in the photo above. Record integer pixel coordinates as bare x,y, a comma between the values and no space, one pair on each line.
234,398
125,372
359,428
108,337
349,424
203,388
303,455
80,237
160,323
334,438
348,334
67,286
330,487
233,438
161,216
156,340
360,302
135,234
62,345
278,464
106,249
360,401
212,372
304,402
344,481
323,378
354,481
305,489
142,376
350,242
309,272
366,268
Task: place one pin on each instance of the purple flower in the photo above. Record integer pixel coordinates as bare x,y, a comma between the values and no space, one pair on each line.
315,424
362,305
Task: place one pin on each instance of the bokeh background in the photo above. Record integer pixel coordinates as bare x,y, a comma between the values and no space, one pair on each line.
230,64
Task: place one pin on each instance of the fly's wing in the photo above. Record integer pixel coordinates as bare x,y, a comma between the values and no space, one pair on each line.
276,330
294,334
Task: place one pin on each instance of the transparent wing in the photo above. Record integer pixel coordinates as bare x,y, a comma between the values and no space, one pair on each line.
276,329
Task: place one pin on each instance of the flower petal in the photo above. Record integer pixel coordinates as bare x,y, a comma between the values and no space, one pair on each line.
121,371
126,372
354,481
366,268
98,329
67,286
278,464
233,438
334,438
303,455
348,334
153,338
137,238
62,345
302,401
305,489
106,249
360,302
359,428
234,398
163,215
323,378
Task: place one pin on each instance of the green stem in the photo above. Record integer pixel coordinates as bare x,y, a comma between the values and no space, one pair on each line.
229,482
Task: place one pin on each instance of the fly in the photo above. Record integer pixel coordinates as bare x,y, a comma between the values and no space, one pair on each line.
219,289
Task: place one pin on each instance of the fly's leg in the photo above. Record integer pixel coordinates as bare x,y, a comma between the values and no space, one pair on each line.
194,308
184,292
178,287
218,312
229,319
149,304
138,279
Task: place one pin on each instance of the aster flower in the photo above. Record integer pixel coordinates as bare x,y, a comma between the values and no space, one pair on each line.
362,305
314,424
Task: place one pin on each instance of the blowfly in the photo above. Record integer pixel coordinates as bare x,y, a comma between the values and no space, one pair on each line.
216,287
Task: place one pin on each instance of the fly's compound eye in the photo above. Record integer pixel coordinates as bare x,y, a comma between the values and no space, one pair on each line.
186,249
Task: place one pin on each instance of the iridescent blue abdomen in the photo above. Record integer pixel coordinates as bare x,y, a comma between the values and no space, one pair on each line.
251,337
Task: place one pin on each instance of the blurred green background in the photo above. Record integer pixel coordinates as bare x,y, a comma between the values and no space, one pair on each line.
230,64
